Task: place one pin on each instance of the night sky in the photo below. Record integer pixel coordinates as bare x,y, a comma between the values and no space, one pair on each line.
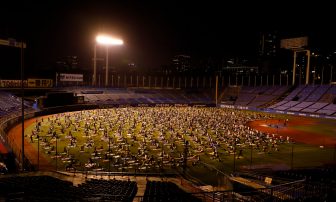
154,32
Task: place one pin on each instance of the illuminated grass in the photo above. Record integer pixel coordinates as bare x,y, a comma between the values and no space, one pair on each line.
206,171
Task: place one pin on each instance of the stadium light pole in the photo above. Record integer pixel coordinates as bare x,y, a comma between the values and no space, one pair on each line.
234,156
56,152
94,66
22,103
334,153
185,160
251,147
292,155
109,158
38,152
107,41
216,98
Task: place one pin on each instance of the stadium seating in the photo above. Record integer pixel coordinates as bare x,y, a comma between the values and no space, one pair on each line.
46,188
256,96
317,99
319,181
309,184
10,106
146,96
166,191
109,190
37,188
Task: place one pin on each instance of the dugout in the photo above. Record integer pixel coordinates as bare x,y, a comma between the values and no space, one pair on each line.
53,99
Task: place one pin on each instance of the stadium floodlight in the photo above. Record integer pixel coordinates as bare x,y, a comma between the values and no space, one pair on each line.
107,41
110,41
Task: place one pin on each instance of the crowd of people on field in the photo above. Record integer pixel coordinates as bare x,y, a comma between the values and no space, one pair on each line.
145,138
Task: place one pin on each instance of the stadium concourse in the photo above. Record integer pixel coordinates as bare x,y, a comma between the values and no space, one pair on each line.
169,139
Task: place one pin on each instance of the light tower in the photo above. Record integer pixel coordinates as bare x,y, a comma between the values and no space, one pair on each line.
107,41
297,45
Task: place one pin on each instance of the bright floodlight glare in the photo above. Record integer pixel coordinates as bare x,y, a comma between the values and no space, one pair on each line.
109,40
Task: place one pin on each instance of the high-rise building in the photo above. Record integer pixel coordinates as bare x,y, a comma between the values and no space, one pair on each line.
181,63
67,63
269,46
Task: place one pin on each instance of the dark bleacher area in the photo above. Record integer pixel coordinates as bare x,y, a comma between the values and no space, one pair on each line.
309,184
166,191
109,190
11,104
319,181
316,99
46,188
37,188
146,96
92,92
310,98
318,184
252,96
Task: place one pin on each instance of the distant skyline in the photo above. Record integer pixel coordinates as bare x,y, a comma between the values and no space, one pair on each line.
155,32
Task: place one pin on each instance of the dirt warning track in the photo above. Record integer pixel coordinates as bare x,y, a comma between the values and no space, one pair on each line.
15,139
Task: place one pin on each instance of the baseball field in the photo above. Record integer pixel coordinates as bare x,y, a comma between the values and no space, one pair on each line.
198,141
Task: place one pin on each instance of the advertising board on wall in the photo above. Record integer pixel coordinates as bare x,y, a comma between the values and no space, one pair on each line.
12,83
71,77
40,83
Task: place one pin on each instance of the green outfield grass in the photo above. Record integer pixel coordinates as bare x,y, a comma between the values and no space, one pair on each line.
206,172
321,127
